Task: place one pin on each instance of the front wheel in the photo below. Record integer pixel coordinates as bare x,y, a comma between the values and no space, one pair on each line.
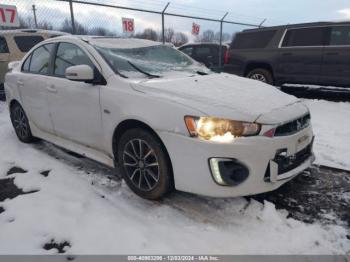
262,75
144,164
21,124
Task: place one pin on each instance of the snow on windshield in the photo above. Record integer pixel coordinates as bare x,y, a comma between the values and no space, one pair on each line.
155,60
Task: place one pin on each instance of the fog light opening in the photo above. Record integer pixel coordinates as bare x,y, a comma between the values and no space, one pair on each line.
227,171
214,166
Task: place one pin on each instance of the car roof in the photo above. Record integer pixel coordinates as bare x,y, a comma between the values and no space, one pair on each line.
31,31
313,24
111,42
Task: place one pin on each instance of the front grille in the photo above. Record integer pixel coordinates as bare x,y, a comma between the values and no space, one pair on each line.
293,127
286,164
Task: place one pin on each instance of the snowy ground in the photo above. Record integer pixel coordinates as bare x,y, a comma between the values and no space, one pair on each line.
331,126
79,208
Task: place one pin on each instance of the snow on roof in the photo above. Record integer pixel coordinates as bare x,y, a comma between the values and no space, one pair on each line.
121,42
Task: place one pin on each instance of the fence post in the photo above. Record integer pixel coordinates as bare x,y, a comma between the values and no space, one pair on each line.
34,13
220,47
163,23
72,16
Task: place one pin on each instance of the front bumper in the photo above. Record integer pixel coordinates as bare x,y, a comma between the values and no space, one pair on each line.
192,173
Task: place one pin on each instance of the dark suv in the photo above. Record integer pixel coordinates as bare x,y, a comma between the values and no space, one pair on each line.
207,53
313,53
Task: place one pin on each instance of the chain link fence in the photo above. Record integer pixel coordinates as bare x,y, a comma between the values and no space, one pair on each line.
154,20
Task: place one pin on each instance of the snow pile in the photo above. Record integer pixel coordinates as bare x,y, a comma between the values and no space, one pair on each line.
78,204
331,126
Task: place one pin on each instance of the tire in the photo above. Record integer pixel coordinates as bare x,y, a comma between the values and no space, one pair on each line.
21,124
2,93
262,75
149,174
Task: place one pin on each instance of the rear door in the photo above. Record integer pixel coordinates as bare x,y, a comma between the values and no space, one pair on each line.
336,57
300,55
33,83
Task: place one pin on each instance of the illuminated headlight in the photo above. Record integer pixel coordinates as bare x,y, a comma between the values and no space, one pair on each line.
218,129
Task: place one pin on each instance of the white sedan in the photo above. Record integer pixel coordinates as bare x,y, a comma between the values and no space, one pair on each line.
165,121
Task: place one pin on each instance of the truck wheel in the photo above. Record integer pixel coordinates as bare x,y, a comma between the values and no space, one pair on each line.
144,164
262,75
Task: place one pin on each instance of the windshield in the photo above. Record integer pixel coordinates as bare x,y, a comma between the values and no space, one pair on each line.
151,61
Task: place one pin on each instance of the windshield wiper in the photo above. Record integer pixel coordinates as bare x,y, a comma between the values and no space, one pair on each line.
143,72
202,73
122,75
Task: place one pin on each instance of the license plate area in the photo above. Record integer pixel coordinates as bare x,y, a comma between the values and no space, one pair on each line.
287,163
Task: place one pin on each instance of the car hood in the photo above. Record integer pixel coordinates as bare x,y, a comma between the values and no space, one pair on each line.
226,96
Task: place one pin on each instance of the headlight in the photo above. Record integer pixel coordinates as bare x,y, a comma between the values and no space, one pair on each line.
218,129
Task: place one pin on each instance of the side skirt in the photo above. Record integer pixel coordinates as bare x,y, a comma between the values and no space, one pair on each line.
74,147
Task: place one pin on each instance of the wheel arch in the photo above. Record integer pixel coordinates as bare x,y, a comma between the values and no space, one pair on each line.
255,65
128,124
13,102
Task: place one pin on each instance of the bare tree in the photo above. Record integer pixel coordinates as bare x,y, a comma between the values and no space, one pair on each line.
23,23
79,28
100,31
206,36
225,37
179,39
149,34
169,34
45,26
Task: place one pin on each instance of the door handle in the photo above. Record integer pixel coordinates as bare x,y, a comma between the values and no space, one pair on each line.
20,83
287,54
51,88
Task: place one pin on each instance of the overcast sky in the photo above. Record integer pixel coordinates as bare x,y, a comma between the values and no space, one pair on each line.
247,11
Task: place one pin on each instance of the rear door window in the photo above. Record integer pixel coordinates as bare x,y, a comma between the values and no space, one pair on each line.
3,46
25,67
340,35
301,37
252,40
39,63
26,42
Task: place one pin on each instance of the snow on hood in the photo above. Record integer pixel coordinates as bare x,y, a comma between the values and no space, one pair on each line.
220,95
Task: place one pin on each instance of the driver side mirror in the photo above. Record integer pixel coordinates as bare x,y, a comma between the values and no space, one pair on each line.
81,73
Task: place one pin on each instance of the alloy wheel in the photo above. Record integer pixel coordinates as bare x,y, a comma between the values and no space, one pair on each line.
20,123
259,77
141,164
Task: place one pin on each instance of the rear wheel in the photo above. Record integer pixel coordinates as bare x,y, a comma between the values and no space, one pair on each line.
262,75
144,164
21,124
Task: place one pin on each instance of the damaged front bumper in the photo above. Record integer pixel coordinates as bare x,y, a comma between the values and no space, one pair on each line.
257,156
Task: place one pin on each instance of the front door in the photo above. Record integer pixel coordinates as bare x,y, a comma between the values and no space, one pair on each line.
74,106
300,55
